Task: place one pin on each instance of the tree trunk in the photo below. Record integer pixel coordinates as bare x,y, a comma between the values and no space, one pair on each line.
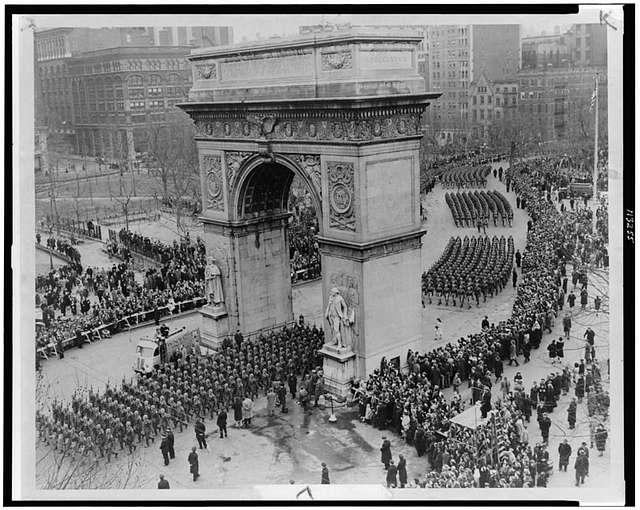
178,216
126,215
165,184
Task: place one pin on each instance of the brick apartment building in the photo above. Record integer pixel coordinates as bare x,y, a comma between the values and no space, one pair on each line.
556,83
493,108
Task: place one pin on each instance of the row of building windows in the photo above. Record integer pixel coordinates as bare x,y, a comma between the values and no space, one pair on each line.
169,64
480,114
50,48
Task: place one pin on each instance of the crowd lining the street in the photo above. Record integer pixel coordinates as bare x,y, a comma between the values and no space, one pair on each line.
191,387
496,454
96,303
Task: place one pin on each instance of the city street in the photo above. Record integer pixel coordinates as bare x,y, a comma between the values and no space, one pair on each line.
292,446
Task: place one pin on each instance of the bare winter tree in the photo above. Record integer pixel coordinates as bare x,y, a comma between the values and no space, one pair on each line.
126,183
124,200
173,152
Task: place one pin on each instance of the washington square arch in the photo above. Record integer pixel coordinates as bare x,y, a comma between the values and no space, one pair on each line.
342,112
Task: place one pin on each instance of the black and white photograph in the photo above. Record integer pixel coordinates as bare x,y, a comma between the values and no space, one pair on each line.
318,255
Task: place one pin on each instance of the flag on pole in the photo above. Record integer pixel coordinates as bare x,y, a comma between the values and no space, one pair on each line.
594,95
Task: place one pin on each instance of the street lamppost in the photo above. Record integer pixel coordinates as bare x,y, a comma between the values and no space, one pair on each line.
50,252
332,417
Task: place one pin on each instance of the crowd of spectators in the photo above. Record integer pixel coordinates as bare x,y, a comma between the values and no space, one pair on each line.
74,303
304,255
64,248
416,402
185,252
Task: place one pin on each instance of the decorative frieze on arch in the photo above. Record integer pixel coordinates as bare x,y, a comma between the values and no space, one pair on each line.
368,124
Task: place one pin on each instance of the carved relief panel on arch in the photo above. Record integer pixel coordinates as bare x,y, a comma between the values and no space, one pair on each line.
213,190
341,189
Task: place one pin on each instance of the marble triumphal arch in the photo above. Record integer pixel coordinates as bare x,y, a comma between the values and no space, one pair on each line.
343,112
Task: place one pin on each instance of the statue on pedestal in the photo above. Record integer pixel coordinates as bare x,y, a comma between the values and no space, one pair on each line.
213,283
341,319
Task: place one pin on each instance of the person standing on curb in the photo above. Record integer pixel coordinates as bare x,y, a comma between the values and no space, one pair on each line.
385,455
391,475
194,467
402,472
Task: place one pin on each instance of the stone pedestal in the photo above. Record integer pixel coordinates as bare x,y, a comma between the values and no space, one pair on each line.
339,368
215,325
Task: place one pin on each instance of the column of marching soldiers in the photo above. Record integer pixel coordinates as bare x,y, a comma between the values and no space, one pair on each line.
178,392
476,267
469,269
471,209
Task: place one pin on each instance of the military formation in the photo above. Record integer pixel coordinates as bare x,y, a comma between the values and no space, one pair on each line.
474,208
465,177
189,387
469,269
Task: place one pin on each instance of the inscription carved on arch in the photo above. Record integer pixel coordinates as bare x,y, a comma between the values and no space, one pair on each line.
341,195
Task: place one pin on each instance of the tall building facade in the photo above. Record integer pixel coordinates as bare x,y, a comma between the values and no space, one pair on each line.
557,83
457,55
53,102
200,37
120,93
450,57
493,108
58,112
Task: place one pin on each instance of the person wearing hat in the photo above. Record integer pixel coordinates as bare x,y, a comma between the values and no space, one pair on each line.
170,443
601,438
582,467
392,471
222,423
564,451
571,413
194,467
385,452
200,433
324,479
545,425
402,471
164,448
162,483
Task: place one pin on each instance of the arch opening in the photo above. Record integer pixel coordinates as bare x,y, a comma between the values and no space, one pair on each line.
271,189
